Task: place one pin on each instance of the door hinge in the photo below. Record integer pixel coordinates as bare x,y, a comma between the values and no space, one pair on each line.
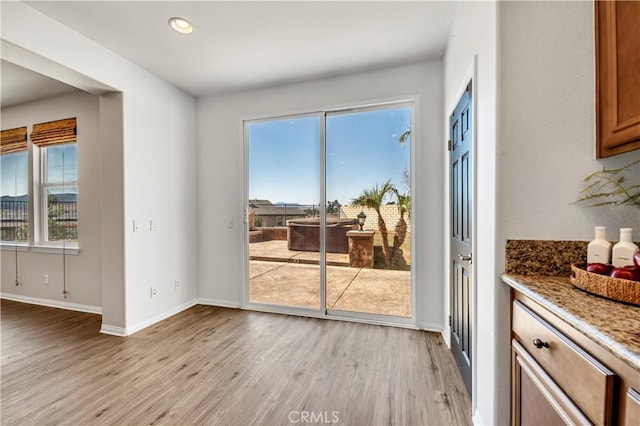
449,320
449,145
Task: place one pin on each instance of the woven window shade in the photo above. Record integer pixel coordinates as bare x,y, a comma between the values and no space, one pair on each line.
13,140
54,132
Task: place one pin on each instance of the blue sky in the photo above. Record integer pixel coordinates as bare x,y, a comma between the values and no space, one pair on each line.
362,149
14,165
61,163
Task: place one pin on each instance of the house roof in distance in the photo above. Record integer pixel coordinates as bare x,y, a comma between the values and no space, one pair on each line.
267,208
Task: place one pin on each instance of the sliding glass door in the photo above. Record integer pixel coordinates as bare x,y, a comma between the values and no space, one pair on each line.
329,213
368,174
283,212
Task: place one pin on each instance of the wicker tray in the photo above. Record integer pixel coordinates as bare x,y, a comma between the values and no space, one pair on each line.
612,288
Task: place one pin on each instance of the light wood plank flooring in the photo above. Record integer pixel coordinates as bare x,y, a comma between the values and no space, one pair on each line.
211,365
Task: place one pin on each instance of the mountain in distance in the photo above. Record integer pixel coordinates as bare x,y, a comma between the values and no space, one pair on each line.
298,205
62,198
67,197
11,198
281,204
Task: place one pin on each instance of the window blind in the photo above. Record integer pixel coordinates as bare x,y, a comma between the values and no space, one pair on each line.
13,140
54,132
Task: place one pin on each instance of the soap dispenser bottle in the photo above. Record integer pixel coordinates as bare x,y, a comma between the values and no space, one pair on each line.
599,250
624,250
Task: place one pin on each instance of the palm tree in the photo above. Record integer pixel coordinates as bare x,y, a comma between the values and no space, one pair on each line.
405,175
404,207
374,198
404,137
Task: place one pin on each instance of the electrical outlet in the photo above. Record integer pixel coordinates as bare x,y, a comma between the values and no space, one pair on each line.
46,279
136,226
176,284
153,225
153,292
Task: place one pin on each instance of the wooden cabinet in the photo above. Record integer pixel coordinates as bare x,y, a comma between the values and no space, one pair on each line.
560,376
617,42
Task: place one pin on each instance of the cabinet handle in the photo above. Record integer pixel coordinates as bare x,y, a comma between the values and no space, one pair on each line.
540,344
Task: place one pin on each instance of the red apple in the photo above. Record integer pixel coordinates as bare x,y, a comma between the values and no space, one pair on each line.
636,258
627,273
599,268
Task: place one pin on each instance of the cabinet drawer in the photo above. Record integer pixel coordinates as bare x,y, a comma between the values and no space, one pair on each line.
586,381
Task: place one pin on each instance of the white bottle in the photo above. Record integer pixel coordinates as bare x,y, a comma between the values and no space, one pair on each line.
624,250
599,250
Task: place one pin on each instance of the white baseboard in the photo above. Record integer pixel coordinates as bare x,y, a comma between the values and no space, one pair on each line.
446,335
121,331
52,303
430,326
113,330
477,421
218,302
144,324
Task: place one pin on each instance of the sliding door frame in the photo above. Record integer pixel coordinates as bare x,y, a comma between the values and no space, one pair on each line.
324,313
267,307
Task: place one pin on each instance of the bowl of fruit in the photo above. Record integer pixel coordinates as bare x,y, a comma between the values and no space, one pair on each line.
621,284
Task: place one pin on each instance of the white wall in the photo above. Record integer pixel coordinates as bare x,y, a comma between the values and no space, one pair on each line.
159,170
83,270
474,32
221,172
154,171
548,124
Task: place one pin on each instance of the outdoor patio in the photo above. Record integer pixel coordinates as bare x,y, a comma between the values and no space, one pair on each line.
292,278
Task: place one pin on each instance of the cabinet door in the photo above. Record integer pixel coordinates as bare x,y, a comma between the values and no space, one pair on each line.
632,412
536,399
617,83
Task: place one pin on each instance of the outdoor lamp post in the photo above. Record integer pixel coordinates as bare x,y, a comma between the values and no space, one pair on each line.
361,218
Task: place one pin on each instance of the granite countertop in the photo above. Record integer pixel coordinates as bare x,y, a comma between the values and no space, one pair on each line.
614,326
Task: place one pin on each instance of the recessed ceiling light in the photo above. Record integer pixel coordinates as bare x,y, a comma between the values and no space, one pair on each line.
181,25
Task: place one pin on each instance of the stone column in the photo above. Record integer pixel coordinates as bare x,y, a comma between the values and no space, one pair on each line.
252,220
361,249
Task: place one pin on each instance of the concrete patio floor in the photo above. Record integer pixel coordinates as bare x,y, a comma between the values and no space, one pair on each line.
296,282
277,251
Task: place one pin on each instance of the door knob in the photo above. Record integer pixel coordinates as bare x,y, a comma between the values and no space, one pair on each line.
465,258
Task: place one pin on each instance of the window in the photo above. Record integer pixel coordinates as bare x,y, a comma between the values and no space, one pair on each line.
59,192
14,203
55,149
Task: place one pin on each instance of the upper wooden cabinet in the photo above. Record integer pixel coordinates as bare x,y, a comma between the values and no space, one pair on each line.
617,42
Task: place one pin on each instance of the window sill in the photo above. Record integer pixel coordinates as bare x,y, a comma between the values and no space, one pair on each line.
74,251
56,250
7,246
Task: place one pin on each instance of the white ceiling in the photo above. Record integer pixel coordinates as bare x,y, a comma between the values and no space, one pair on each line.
239,45
19,85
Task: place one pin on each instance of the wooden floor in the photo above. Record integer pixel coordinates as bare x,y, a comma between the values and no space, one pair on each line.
211,365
